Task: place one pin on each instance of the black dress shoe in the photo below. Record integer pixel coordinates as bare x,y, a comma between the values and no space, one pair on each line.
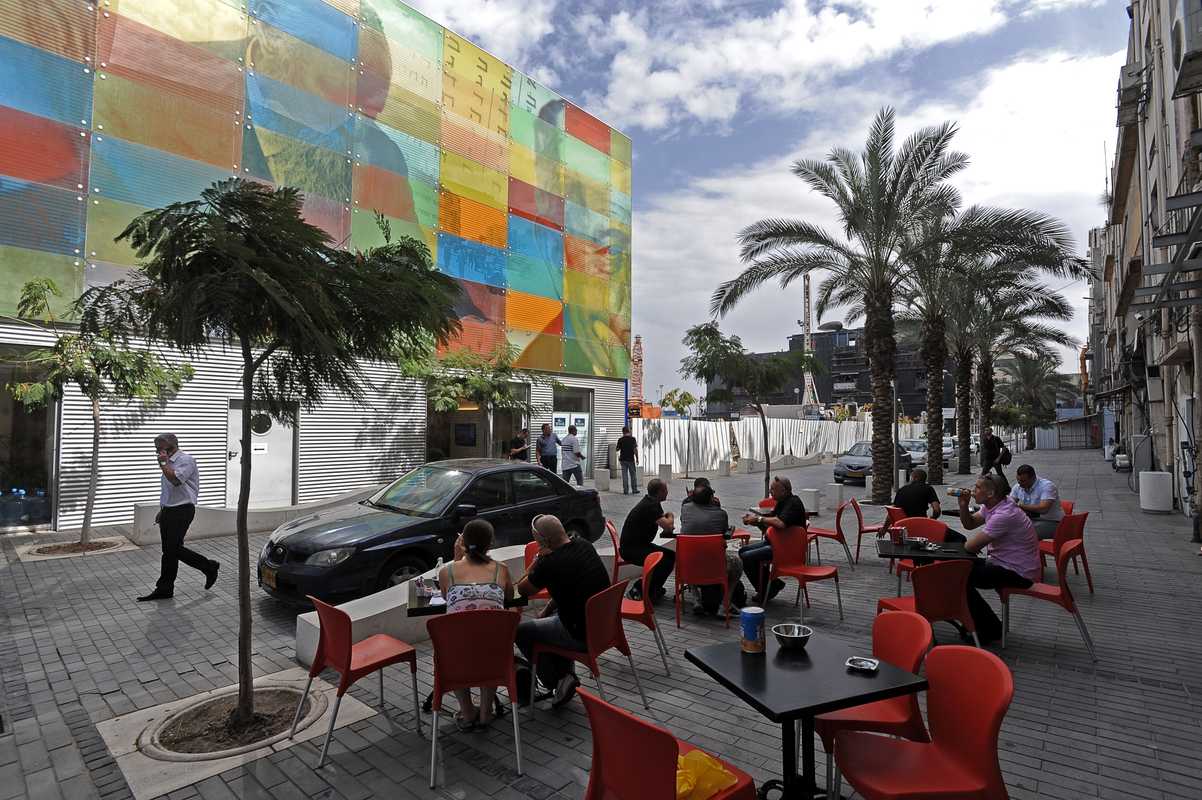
155,595
211,577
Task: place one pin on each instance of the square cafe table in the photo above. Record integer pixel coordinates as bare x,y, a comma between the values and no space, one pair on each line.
790,686
947,551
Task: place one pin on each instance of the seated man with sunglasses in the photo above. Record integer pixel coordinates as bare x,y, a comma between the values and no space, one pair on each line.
571,572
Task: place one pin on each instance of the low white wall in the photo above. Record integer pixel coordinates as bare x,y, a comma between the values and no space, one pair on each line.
210,522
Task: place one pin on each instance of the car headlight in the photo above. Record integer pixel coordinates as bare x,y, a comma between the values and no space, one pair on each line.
330,558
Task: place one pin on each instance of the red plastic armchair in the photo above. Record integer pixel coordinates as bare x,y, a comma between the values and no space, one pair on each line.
836,534
643,611
613,537
603,631
789,550
1071,527
528,557
899,638
635,760
1061,595
701,561
352,662
473,649
1067,506
767,504
970,691
940,595
862,529
933,529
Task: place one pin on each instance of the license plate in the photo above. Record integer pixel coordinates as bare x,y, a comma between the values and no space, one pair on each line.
855,473
269,577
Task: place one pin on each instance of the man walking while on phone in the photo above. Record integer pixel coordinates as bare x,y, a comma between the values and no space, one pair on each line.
179,487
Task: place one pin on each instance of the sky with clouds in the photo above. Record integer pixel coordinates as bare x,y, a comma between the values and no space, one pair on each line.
721,96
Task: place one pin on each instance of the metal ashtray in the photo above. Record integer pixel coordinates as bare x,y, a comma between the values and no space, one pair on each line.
791,636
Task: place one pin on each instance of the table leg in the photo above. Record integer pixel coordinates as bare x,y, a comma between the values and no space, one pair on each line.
794,786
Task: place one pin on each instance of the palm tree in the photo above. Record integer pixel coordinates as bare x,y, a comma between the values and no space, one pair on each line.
1030,388
882,194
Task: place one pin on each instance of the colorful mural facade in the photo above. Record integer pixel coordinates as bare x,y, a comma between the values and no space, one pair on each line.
110,109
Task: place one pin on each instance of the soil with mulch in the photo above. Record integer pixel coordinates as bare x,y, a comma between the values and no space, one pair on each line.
206,728
72,548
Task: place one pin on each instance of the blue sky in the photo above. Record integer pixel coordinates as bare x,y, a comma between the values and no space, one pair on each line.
721,97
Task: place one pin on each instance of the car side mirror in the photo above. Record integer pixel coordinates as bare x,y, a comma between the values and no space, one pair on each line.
464,511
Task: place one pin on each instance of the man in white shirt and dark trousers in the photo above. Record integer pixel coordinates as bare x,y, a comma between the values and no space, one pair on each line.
180,485
569,448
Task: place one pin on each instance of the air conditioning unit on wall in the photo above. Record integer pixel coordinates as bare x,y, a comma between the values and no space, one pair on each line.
1131,93
1186,44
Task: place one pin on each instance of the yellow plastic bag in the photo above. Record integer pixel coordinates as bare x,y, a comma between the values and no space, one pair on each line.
700,776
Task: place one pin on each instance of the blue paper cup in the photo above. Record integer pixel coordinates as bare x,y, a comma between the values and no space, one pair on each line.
751,627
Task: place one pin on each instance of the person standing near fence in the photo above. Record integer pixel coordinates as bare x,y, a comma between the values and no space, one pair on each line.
178,490
628,459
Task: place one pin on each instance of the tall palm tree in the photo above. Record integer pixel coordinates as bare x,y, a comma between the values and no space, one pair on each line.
881,194
1030,388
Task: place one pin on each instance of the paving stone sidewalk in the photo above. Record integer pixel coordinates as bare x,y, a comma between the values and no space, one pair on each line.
75,649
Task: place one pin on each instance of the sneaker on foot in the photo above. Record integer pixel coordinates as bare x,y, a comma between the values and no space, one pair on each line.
211,576
565,690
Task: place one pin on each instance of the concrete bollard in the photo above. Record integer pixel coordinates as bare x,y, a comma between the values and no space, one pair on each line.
810,499
723,469
601,479
665,473
868,487
835,490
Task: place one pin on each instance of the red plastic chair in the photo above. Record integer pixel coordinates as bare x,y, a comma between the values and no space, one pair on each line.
635,760
613,537
899,638
701,561
933,529
1067,506
836,534
352,662
1071,527
789,550
940,595
644,612
970,691
528,557
1061,595
603,631
862,528
767,503
473,649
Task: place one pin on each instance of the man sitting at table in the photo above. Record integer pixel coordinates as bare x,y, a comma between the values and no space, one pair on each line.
700,514
1040,499
571,572
1013,555
915,496
699,484
789,512
639,530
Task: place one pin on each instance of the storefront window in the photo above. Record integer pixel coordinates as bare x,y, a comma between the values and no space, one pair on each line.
26,456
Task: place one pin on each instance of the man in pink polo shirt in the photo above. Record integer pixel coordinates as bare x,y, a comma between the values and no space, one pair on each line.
1013,554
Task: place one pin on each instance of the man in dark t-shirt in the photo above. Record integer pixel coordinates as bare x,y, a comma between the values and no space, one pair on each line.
991,452
789,512
519,447
639,530
628,459
571,572
917,495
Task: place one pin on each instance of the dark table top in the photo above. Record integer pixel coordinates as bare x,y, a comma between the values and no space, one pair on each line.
947,551
422,607
786,686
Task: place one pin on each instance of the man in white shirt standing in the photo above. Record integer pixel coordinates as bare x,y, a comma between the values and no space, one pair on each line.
1040,498
570,452
179,488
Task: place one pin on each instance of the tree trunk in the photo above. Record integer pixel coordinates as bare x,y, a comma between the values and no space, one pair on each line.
488,434
881,352
244,713
1030,438
963,409
85,530
767,453
934,350
985,388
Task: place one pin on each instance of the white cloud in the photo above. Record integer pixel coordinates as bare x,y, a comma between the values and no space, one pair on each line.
1035,130
512,30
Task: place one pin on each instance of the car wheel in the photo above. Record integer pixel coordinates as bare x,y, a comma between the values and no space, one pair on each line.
838,479
399,569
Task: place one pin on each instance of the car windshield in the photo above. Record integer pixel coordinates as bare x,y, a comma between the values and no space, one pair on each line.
860,449
914,444
425,491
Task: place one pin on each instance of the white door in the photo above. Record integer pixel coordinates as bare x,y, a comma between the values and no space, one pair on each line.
271,475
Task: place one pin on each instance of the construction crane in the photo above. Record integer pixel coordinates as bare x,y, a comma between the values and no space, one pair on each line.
809,395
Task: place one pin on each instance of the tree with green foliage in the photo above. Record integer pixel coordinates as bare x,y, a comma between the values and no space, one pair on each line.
881,194
1030,387
99,363
492,381
722,363
682,402
241,268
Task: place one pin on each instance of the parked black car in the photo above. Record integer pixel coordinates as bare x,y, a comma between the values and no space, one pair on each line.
360,548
